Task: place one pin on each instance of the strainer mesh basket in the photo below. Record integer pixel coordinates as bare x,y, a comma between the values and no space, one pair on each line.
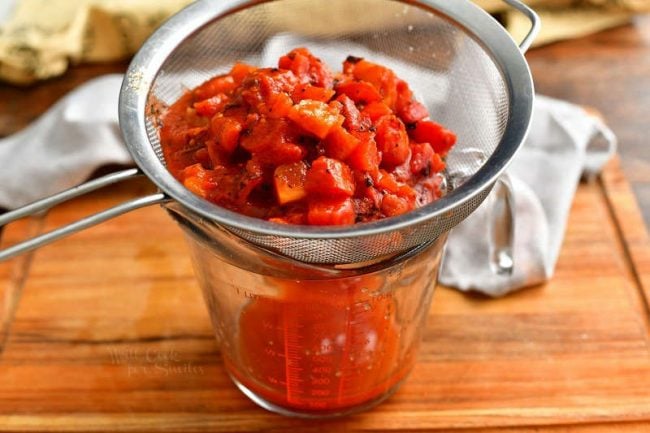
455,73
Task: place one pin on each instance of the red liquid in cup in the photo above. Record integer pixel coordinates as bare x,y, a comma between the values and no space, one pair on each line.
321,346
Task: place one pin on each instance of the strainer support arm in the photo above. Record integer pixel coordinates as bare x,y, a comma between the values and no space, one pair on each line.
92,220
535,23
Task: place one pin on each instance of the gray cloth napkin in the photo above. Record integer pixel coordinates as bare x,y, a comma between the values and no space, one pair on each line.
564,143
81,133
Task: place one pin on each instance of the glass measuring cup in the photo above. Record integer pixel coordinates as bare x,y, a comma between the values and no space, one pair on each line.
312,341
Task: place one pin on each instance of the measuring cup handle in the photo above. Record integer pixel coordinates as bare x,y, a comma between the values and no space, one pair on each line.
535,23
502,227
89,221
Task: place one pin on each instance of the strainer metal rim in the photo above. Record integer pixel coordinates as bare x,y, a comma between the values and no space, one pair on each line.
150,58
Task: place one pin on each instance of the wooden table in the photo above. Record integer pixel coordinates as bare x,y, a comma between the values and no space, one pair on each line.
107,331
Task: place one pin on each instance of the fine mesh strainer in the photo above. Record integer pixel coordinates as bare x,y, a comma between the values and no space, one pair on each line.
460,62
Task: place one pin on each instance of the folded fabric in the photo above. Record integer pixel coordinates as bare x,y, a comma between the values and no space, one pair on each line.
39,39
64,146
563,143
81,133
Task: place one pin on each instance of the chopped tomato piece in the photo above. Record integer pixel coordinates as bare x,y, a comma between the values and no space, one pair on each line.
376,110
278,106
307,67
196,179
393,205
289,182
413,112
348,64
214,86
386,182
316,117
240,70
307,91
360,92
407,108
382,78
365,156
264,134
424,160
340,143
226,131
354,120
438,137
330,178
328,212
263,87
202,156
392,141
211,106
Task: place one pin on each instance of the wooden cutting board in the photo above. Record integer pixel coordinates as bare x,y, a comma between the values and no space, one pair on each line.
107,331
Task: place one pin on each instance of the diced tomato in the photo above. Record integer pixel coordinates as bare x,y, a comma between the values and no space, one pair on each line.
413,112
375,196
316,117
226,131
407,193
408,109
360,92
196,179
386,182
214,86
240,70
202,156
382,78
329,178
354,120
211,106
340,143
404,95
263,87
281,153
393,205
289,181
437,163
349,63
327,212
264,134
307,91
426,131
424,160
278,106
392,141
297,61
247,185
307,67
376,110
365,157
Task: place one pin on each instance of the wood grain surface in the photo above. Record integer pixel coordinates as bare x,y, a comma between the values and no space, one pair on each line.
107,331
611,72
110,333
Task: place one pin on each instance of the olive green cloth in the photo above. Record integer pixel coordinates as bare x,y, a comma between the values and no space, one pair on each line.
567,19
41,38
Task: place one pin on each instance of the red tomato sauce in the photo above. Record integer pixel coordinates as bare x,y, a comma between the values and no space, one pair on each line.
299,144
323,346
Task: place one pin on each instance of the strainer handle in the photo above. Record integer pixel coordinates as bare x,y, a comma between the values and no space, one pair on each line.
535,23
89,221
502,227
